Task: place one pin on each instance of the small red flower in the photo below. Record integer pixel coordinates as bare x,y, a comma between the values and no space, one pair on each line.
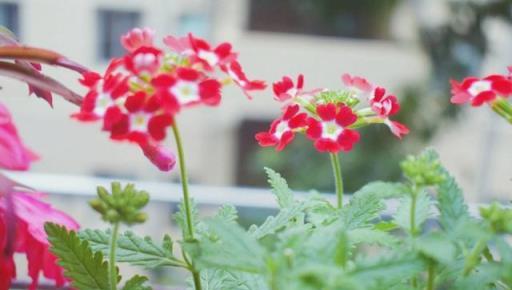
358,85
480,91
234,70
144,61
186,87
382,104
159,155
331,132
282,130
285,89
211,57
136,38
143,122
104,94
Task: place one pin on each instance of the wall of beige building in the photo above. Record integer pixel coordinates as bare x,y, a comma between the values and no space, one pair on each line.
210,134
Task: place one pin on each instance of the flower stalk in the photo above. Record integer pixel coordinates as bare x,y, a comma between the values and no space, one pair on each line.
189,231
336,168
112,257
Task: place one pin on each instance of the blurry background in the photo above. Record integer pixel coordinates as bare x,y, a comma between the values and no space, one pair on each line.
411,47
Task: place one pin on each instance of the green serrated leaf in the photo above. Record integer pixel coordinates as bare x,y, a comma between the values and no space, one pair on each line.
423,210
371,236
133,249
227,213
273,224
383,189
136,283
362,210
386,270
230,249
86,269
451,205
181,216
437,247
280,188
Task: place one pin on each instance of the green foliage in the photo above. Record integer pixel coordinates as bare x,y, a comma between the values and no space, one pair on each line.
133,249
136,283
86,269
121,205
310,244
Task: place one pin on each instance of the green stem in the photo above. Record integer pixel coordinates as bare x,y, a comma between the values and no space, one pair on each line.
336,168
431,276
413,212
474,256
503,108
112,272
189,231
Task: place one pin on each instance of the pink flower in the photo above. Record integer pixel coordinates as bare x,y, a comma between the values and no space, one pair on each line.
331,132
384,105
27,214
234,70
282,130
13,153
144,60
480,91
398,129
136,38
358,85
180,45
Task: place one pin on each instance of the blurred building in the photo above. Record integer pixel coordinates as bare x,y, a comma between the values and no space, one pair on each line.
384,50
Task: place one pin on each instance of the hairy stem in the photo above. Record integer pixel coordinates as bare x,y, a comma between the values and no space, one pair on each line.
189,231
112,272
413,213
431,276
336,169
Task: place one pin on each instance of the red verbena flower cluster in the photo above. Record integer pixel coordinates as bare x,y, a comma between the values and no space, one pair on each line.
329,117
494,90
140,93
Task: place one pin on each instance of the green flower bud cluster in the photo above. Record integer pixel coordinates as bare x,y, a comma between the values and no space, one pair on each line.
338,97
423,170
499,217
122,205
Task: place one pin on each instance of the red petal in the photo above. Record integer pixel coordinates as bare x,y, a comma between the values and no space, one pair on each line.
345,116
209,91
347,139
135,102
158,125
314,130
483,97
326,112
286,139
265,139
290,111
327,145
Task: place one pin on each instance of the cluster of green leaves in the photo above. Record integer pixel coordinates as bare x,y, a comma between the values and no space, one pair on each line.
415,234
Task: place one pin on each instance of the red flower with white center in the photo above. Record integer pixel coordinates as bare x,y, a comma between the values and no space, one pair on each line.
137,38
186,87
104,93
479,91
211,57
144,61
285,89
331,132
382,104
282,130
180,45
234,70
358,85
398,129
143,122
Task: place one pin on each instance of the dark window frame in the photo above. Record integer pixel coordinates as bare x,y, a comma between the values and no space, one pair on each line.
13,17
108,38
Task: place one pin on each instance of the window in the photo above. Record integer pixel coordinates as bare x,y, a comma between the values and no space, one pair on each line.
9,17
113,24
197,23
343,18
